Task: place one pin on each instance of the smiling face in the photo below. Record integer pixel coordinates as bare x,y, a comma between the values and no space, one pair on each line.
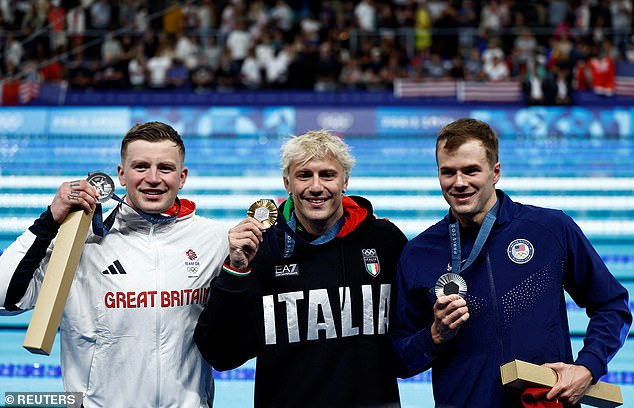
152,173
467,180
317,188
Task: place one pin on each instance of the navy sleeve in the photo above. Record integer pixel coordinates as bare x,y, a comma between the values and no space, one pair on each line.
224,333
410,325
45,229
593,287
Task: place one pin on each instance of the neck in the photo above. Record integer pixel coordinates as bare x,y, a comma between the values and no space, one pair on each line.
475,220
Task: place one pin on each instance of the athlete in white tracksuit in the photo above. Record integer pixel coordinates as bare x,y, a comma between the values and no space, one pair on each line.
127,327
126,331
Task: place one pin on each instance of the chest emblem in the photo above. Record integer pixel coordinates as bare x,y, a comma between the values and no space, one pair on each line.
520,251
192,265
286,270
371,260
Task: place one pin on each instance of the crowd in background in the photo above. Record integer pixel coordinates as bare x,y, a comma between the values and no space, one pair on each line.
551,46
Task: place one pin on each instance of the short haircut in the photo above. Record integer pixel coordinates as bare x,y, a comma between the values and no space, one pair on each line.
457,133
316,144
152,132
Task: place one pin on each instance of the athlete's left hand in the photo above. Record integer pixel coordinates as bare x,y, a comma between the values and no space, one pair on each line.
572,383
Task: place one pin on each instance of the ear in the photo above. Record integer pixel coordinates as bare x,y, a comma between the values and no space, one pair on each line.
184,173
496,173
345,185
287,184
121,175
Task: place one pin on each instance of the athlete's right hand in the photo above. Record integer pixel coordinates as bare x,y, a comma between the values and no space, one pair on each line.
244,241
450,313
72,195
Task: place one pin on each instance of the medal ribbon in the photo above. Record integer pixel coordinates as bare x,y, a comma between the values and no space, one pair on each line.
101,228
330,234
483,234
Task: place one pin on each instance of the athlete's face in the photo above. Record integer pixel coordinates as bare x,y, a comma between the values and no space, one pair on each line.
468,181
152,173
317,188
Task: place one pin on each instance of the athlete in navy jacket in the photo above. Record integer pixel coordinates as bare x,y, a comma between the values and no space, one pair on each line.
511,286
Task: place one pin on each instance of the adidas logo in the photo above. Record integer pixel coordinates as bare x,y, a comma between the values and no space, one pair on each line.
114,269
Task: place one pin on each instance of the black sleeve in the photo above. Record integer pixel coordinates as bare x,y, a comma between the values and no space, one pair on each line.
45,229
225,333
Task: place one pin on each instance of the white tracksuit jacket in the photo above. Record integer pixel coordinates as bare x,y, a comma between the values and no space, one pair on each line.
126,332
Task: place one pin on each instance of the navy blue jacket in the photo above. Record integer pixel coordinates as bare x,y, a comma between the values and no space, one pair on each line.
516,304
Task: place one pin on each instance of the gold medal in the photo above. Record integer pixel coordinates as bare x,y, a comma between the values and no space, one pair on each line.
264,211
451,284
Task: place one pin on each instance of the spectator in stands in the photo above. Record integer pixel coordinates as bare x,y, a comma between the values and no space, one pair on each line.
422,29
351,75
12,49
76,25
504,297
173,18
468,23
227,73
178,75
473,67
158,65
251,72
122,345
327,68
282,16
101,15
211,51
81,71
496,70
603,71
621,11
57,25
137,69
536,83
582,18
206,16
186,49
525,46
257,18
562,86
111,47
434,67
333,249
493,17
365,15
203,76
52,69
111,74
558,12
239,41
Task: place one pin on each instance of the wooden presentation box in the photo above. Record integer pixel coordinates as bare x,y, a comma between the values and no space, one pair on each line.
520,374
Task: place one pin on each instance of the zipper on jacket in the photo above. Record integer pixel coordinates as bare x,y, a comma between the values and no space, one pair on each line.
496,311
157,328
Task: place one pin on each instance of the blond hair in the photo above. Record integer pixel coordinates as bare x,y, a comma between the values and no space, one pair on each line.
316,144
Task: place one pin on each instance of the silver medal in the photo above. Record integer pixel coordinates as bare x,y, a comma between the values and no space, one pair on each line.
451,284
103,184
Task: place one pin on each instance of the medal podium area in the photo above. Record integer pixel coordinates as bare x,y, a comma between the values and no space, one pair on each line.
550,157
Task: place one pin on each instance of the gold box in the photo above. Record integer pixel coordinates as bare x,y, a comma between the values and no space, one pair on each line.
520,374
